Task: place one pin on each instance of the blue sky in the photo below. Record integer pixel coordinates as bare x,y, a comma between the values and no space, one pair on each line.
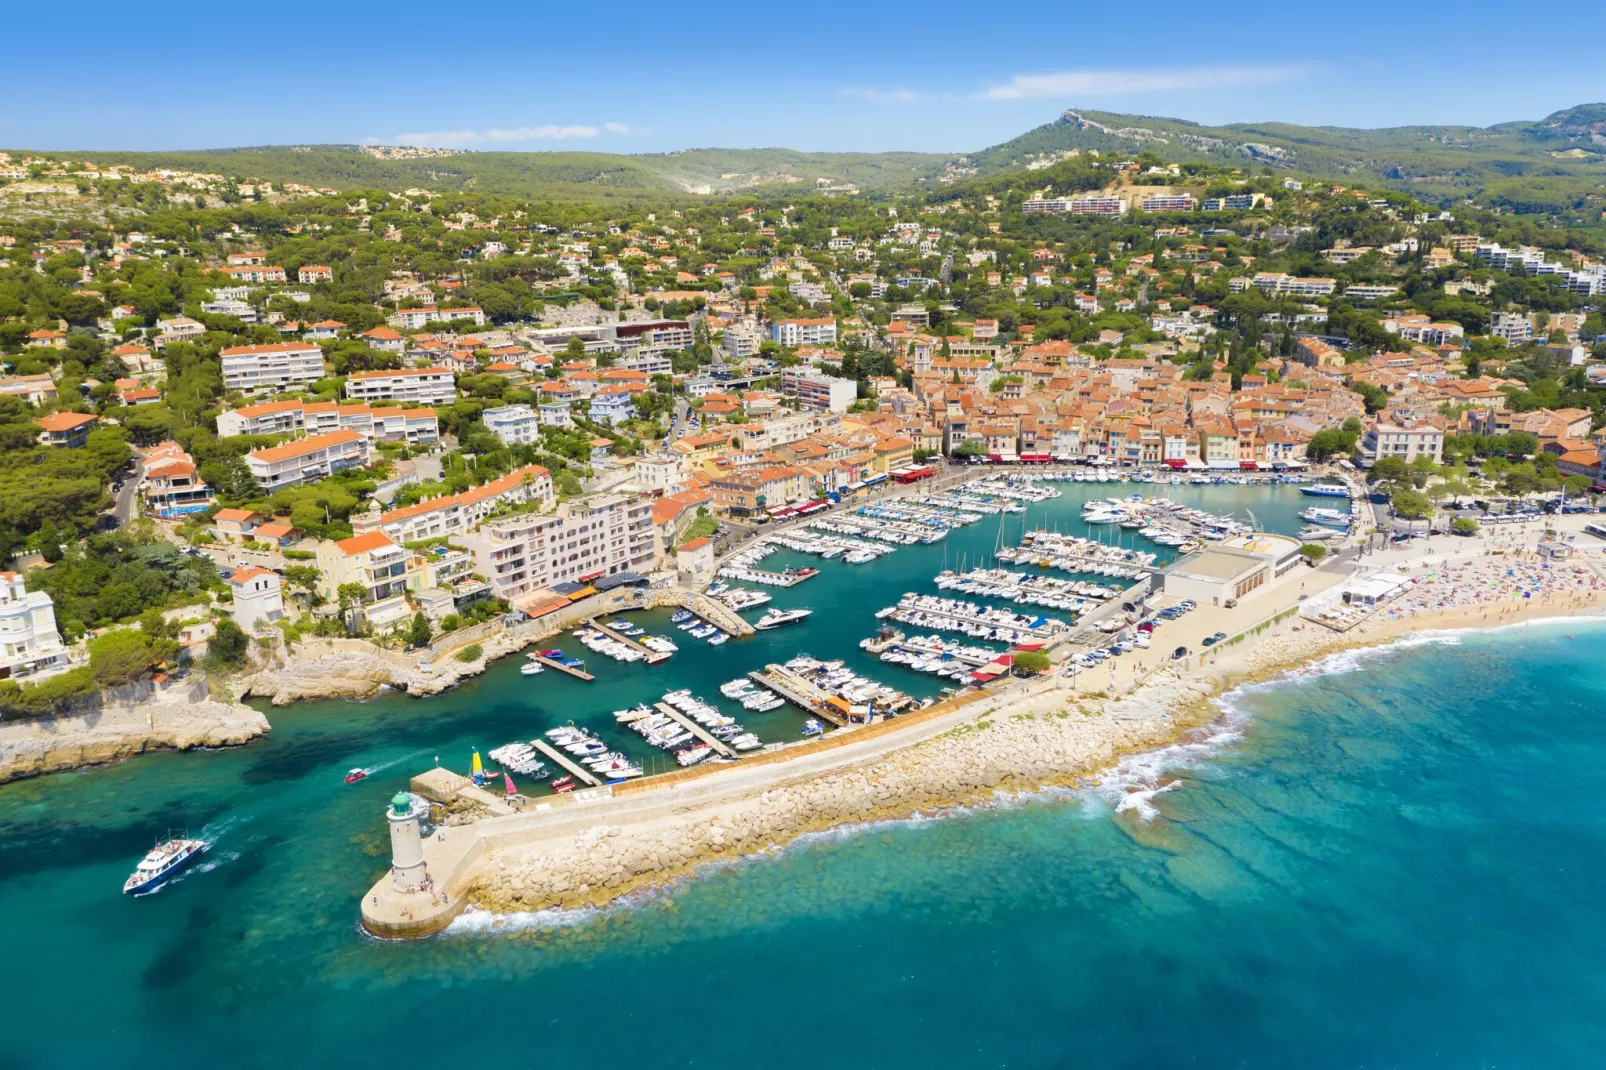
636,77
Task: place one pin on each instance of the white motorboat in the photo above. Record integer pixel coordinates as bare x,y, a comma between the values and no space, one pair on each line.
693,755
163,861
776,618
532,669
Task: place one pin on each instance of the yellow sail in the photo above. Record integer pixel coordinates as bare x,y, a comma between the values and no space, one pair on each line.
477,767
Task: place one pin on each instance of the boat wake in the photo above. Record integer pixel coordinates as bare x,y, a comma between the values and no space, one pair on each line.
373,769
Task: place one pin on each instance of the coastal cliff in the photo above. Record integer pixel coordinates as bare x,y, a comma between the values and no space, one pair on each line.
127,722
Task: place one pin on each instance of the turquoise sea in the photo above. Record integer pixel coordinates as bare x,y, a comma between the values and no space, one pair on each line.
1393,859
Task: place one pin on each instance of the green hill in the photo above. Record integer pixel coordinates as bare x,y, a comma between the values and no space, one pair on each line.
1555,165
566,175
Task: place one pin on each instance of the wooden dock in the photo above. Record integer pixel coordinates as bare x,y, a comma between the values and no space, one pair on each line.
558,665
797,691
696,729
653,657
581,773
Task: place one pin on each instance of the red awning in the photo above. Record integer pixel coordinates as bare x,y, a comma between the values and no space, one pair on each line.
1176,462
1249,466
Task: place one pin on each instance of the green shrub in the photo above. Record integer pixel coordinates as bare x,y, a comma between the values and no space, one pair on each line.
471,653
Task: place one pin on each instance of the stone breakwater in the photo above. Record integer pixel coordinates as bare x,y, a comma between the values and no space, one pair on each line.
122,730
1042,738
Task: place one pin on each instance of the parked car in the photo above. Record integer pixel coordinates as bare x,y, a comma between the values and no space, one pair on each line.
1179,653
1212,640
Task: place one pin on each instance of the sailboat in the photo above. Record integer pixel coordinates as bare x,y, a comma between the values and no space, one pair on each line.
478,769
511,790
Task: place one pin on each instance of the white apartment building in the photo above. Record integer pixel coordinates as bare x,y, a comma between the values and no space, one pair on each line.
556,414
1274,282
515,425
240,310
1512,326
393,424
742,341
1168,203
1407,442
30,646
818,390
647,363
424,386
271,367
306,460
258,596
582,541
804,332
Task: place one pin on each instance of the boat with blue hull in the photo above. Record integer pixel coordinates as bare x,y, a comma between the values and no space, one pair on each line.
1325,490
164,861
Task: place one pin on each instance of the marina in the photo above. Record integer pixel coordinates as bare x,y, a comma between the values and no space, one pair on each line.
976,621
574,769
717,745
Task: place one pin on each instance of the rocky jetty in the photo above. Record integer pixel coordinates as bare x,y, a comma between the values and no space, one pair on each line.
1047,737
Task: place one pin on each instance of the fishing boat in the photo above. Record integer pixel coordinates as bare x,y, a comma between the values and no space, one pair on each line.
356,775
163,861
811,727
776,618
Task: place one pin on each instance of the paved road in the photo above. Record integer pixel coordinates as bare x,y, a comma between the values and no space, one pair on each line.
123,509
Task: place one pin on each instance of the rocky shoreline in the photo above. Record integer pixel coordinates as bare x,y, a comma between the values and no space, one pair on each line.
124,726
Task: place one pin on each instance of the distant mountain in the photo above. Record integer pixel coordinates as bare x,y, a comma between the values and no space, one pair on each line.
561,175
1556,164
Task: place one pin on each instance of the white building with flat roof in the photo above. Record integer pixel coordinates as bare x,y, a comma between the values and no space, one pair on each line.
819,391
1407,442
515,425
583,540
30,645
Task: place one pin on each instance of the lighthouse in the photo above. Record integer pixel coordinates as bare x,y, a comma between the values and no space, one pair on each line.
406,844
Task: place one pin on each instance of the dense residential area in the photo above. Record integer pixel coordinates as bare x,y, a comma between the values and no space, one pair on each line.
234,412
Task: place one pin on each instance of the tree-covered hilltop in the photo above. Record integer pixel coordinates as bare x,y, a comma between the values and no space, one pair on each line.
584,176
1554,165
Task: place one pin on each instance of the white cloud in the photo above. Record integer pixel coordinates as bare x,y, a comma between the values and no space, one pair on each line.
1120,82
888,96
618,128
454,139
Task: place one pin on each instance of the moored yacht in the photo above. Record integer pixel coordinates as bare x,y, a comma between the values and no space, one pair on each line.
775,618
